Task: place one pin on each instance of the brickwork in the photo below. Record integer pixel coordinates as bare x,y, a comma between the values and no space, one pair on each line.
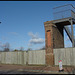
58,36
49,43
49,59
53,39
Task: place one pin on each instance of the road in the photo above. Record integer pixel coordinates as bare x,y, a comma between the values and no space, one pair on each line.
18,72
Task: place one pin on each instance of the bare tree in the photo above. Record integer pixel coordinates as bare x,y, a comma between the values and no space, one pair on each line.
6,47
43,48
21,48
15,50
29,49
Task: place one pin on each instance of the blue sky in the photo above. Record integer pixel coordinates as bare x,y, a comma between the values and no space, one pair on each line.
23,21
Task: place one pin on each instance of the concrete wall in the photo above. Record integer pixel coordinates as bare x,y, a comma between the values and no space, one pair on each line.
67,55
36,57
23,57
13,57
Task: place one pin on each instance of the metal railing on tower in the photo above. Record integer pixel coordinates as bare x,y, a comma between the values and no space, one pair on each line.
64,11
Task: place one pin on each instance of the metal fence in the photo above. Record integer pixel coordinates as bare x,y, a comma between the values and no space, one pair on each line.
64,11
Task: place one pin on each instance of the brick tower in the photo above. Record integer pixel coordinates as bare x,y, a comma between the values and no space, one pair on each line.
54,38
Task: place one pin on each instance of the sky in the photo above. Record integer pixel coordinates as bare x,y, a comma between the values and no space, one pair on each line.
23,23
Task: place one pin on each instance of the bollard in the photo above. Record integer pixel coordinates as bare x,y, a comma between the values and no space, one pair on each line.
60,66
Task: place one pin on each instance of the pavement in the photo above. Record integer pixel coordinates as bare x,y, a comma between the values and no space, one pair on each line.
23,69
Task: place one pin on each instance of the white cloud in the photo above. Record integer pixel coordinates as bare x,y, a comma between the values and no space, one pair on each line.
32,35
35,39
30,44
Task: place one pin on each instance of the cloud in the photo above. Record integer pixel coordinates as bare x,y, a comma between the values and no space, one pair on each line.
32,35
35,39
30,44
